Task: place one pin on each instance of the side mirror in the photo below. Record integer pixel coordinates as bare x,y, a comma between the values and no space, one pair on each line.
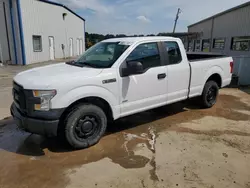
133,67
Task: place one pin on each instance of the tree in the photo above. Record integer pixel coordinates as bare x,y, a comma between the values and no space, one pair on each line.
163,34
109,36
120,35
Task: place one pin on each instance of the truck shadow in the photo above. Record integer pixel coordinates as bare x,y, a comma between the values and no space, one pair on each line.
14,140
147,117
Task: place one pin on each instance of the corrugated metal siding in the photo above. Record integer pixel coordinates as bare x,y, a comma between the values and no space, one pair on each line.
228,25
204,28
242,69
17,33
232,24
12,55
3,33
46,20
4,53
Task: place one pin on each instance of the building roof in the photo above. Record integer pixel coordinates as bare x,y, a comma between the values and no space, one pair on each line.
179,34
221,13
136,39
61,5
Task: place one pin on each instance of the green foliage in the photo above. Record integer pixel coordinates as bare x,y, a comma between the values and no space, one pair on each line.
93,38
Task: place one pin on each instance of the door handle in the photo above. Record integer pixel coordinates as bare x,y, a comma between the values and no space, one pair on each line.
161,76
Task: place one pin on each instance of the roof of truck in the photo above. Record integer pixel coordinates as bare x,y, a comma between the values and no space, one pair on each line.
137,39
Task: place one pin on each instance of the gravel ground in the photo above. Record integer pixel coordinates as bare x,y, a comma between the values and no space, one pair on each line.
179,145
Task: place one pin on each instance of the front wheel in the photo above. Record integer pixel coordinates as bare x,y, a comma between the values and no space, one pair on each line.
209,94
85,125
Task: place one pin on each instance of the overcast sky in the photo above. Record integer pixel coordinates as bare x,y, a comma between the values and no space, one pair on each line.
144,16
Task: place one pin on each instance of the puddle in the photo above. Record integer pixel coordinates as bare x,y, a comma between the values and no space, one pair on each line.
46,159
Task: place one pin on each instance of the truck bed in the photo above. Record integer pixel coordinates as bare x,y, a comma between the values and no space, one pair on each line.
197,56
207,66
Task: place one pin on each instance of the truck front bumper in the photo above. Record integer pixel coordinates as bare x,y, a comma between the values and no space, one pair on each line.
32,125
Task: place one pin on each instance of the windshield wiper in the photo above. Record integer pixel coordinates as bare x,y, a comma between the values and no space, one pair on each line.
84,63
73,63
87,64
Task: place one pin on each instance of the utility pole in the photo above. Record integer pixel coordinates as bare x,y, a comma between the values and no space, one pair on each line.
176,19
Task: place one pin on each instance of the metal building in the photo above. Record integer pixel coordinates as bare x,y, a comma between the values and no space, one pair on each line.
38,30
227,32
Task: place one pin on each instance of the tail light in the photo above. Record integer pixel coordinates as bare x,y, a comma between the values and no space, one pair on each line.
231,66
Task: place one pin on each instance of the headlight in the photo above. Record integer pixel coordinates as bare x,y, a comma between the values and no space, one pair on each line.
45,97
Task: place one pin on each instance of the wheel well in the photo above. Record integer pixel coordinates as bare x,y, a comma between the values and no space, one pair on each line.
104,105
216,78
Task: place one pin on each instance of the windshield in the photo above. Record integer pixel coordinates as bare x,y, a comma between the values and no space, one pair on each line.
102,55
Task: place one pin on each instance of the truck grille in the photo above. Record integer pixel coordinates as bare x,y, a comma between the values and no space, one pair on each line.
19,97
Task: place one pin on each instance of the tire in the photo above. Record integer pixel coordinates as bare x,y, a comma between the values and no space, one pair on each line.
209,94
85,125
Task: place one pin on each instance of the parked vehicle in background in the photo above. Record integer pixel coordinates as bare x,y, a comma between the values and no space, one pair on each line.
113,79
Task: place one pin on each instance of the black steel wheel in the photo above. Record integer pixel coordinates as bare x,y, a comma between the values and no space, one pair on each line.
209,95
85,126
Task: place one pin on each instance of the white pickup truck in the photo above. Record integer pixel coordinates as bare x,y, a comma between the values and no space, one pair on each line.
113,79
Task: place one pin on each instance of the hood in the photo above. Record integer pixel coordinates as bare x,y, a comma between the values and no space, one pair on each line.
48,77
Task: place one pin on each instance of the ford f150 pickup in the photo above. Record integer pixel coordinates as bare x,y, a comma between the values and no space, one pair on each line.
113,79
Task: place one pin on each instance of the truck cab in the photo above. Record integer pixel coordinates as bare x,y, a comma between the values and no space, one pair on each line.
113,79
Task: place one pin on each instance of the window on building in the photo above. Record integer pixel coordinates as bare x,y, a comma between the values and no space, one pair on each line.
219,43
197,45
190,45
240,43
205,45
148,54
37,43
174,53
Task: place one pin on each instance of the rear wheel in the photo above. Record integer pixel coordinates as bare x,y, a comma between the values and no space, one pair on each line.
85,126
209,94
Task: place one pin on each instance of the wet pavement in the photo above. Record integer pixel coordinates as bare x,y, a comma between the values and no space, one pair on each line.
177,145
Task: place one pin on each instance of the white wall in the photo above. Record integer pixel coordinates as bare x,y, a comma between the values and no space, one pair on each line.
45,19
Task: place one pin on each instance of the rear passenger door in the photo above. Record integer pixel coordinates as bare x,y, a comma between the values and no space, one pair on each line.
178,73
149,89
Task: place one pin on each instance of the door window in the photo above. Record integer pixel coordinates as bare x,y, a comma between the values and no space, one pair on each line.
148,54
174,53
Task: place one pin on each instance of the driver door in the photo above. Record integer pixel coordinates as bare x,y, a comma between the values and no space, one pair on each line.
148,89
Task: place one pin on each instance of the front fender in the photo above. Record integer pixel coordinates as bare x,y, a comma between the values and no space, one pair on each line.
64,100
